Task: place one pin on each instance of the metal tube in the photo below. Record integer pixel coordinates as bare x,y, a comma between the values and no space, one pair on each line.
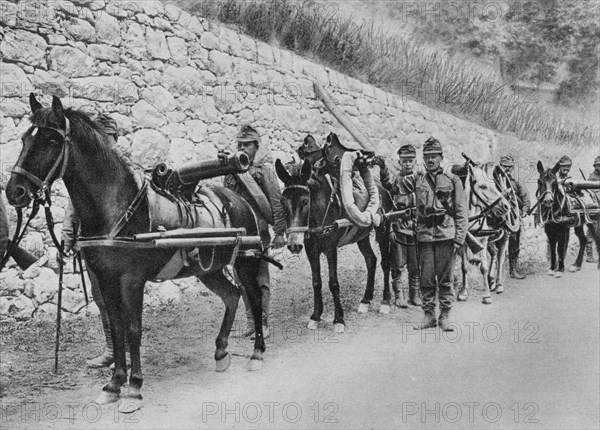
245,241
197,232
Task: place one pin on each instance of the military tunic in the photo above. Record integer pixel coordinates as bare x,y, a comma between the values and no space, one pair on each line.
437,231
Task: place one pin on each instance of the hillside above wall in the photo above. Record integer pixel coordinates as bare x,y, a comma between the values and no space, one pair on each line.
180,86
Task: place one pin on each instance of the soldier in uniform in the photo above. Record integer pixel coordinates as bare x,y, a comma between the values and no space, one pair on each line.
595,176
261,190
514,241
69,234
442,218
564,163
401,251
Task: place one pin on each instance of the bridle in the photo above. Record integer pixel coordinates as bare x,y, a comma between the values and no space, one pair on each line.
482,203
42,194
306,189
321,230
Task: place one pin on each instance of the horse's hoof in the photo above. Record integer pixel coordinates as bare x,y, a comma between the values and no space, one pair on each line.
384,309
313,325
574,268
462,297
130,403
107,397
486,300
493,286
500,289
363,308
550,272
223,364
339,327
254,364
558,274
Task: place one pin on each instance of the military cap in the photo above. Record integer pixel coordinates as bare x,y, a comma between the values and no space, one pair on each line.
109,125
248,134
432,146
407,151
565,161
507,161
597,160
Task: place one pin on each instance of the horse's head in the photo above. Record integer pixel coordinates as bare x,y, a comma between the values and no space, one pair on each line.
547,184
485,191
44,156
295,200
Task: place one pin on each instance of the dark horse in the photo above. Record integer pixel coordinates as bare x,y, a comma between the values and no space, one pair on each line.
558,218
312,206
102,187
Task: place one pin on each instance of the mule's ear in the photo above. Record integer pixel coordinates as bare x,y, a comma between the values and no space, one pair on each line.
540,167
35,105
555,168
57,106
306,171
281,172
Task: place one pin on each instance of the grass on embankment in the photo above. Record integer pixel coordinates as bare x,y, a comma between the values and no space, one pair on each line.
395,64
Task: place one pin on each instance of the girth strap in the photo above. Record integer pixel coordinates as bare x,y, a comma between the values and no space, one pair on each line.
135,204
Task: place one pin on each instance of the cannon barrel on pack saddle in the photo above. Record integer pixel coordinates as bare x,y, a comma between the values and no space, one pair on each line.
183,180
574,184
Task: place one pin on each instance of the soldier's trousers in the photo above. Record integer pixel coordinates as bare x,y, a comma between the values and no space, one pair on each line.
400,255
514,246
436,264
264,280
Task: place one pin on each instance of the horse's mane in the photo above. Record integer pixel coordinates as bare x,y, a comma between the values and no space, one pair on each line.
84,131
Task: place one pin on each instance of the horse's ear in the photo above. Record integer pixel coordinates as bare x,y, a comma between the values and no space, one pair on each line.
540,167
57,106
281,172
35,105
306,171
555,168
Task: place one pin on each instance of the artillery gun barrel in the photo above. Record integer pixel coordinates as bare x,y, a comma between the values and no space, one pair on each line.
198,232
167,177
237,162
244,241
581,184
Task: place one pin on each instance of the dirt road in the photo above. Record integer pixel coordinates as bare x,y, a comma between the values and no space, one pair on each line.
530,360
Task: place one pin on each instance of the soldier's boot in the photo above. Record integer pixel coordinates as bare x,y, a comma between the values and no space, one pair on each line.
107,357
414,293
400,299
589,250
428,321
444,320
514,273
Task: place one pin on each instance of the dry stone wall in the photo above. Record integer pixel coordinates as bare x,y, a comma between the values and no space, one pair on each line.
179,87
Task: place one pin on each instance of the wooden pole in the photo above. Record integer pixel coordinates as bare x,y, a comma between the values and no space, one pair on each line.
59,303
342,118
244,241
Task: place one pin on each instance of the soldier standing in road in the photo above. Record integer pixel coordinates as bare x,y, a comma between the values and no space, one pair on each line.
261,190
514,241
595,176
403,244
70,232
442,219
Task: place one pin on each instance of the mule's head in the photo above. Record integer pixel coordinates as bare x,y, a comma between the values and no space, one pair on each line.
295,199
44,154
486,191
310,150
547,184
